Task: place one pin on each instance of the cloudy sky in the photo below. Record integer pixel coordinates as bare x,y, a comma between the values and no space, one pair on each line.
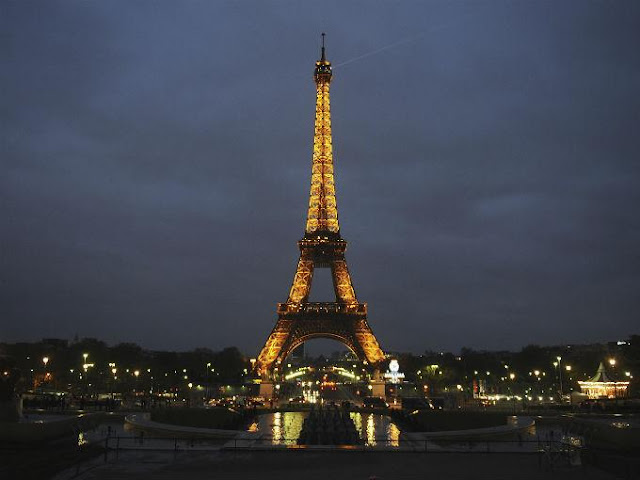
155,161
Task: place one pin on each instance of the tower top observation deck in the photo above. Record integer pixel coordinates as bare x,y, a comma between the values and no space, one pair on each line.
322,72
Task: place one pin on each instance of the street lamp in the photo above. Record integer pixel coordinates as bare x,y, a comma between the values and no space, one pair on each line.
45,360
136,373
512,377
560,375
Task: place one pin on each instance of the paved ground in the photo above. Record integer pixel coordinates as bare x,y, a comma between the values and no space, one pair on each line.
42,461
326,465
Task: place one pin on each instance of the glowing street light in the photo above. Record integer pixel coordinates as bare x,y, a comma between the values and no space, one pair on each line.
45,360
612,362
84,356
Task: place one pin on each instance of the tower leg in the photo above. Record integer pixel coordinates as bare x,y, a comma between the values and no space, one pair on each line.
301,281
342,282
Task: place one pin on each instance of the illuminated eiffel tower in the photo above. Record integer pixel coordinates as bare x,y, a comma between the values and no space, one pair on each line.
322,246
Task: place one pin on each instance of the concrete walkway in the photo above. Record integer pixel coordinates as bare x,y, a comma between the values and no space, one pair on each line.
329,465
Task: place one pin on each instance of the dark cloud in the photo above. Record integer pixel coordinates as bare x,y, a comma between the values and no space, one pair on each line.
156,159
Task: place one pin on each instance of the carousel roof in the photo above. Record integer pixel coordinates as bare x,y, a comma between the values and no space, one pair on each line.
601,375
601,378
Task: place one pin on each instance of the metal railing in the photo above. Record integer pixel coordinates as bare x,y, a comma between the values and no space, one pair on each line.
238,442
322,308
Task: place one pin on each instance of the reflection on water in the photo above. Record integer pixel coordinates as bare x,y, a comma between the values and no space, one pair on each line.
376,429
276,428
371,431
357,421
283,428
393,433
82,439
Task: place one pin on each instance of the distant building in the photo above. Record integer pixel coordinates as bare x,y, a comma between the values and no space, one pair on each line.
603,386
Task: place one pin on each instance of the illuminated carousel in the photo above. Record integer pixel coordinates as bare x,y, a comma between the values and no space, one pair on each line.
603,386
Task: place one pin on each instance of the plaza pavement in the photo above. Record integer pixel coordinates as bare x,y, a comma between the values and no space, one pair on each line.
326,466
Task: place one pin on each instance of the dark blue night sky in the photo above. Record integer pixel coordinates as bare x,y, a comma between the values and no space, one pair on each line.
156,158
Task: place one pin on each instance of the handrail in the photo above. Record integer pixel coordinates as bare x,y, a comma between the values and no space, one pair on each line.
322,307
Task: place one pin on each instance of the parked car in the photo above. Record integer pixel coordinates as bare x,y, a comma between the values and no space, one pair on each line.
412,404
374,402
255,402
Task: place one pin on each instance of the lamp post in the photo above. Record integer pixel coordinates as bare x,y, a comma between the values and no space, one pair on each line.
612,362
45,360
114,371
560,376
207,380
85,367
512,377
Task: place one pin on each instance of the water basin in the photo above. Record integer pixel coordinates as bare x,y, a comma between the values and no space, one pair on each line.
283,428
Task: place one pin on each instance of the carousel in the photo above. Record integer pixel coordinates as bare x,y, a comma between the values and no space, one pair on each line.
603,386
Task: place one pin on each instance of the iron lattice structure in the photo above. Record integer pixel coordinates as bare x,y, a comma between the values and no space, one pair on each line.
344,320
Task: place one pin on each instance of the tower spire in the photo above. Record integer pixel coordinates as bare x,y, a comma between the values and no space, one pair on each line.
322,216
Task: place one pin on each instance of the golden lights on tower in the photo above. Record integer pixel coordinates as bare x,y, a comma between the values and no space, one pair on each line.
323,210
321,247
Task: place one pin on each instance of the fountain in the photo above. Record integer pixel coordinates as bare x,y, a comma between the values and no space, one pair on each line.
328,426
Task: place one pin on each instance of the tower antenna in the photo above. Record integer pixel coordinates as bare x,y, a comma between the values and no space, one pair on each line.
323,57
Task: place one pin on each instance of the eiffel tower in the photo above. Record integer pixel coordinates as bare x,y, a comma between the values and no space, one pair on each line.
322,246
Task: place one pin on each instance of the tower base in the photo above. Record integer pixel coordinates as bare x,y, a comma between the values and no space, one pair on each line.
267,389
378,388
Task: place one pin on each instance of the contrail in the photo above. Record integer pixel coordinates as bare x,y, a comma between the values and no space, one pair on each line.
401,42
